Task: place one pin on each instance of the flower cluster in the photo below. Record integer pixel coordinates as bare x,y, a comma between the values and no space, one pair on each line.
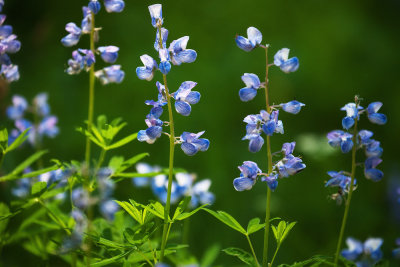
43,123
184,97
363,254
363,140
287,166
396,251
183,187
8,45
83,59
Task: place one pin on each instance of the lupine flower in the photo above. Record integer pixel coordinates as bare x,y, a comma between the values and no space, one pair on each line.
46,125
114,5
156,15
184,97
82,59
352,111
364,255
339,179
74,241
271,180
155,126
252,84
191,143
179,53
143,168
286,64
80,198
94,6
293,106
263,122
109,53
159,187
8,45
373,116
370,170
248,176
165,65
199,191
289,165
146,72
338,138
74,35
254,38
164,37
108,208
111,74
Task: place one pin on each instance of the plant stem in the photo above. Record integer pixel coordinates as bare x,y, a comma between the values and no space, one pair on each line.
353,173
269,155
276,252
91,93
55,217
252,250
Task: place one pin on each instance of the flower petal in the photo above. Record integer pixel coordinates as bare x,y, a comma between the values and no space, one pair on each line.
244,43
247,94
243,183
281,56
189,149
251,80
255,144
290,65
254,35
377,118
183,108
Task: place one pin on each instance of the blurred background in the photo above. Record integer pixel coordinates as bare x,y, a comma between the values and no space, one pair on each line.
344,47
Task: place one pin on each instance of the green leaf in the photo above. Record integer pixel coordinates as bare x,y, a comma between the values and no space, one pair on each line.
287,230
38,188
132,210
122,142
227,219
4,211
210,255
26,163
108,243
18,141
244,256
111,260
129,162
181,207
3,139
254,226
186,215
282,230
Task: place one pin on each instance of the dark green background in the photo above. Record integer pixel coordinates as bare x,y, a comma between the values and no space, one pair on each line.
344,47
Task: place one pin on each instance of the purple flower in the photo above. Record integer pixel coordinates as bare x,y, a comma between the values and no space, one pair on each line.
248,176
252,84
338,138
179,53
286,64
191,143
74,35
109,53
254,38
82,59
111,74
184,97
373,116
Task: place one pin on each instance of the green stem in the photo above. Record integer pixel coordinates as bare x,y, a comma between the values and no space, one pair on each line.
353,173
269,155
91,93
101,159
276,252
55,217
171,159
252,250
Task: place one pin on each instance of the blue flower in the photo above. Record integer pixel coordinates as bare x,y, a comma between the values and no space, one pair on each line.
82,59
114,5
293,106
105,185
341,180
86,24
144,168
108,208
179,53
370,170
248,176
199,191
338,138
159,187
165,65
252,84
74,241
146,72
288,148
109,53
289,165
17,110
286,64
94,6
111,74
364,255
254,38
41,107
184,97
373,116
164,37
10,72
156,15
48,127
191,143
271,180
23,188
352,112
80,198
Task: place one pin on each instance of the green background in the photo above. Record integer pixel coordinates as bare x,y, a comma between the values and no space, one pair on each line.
344,47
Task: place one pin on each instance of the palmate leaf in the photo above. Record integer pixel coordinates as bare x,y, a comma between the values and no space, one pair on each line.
242,255
122,166
227,219
18,141
122,142
132,210
254,226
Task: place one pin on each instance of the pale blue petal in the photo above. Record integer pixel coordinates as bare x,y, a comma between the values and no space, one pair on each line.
144,73
202,144
255,144
189,149
183,108
247,94
373,174
154,132
347,122
346,145
254,35
281,56
186,56
165,67
243,183
244,43
377,118
114,5
290,65
193,97
374,107
251,80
